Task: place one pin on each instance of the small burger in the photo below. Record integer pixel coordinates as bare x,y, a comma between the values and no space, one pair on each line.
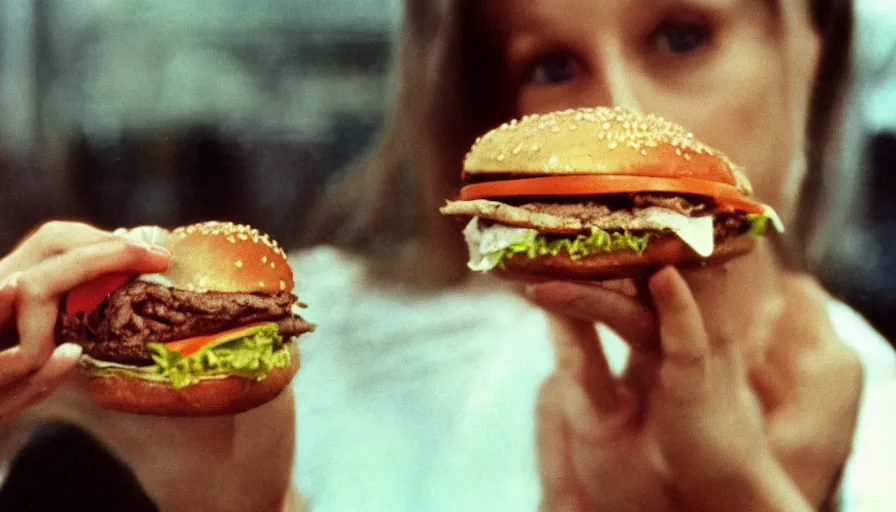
595,194
211,335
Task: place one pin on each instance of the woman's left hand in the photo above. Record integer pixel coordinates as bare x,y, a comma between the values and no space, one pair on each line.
682,432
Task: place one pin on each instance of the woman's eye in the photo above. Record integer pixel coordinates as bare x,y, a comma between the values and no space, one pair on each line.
551,68
679,37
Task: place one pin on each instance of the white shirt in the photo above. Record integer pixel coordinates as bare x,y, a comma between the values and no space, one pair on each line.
424,401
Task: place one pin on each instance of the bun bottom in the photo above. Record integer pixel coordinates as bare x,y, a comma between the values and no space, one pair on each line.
209,397
660,252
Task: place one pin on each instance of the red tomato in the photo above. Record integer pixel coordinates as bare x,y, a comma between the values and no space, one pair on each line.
88,296
726,196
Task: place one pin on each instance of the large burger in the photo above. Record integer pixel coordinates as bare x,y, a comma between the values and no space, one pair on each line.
593,194
211,335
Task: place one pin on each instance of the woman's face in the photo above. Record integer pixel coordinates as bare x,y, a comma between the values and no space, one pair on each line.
718,67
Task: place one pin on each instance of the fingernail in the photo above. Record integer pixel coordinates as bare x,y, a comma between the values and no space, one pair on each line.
69,350
158,249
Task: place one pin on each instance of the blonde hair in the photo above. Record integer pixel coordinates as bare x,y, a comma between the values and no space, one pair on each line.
386,207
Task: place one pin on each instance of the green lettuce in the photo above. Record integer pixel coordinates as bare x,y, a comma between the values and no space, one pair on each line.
252,353
758,224
597,241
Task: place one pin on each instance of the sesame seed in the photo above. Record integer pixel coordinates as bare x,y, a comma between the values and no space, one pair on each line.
238,263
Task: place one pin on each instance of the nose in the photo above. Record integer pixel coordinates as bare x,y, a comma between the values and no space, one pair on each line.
612,78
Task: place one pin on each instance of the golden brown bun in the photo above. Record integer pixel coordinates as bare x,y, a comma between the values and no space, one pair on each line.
211,397
661,251
599,141
226,257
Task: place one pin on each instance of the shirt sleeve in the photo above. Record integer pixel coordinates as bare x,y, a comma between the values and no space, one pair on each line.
867,483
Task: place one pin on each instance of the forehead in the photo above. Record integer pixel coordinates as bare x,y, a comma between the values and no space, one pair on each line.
532,14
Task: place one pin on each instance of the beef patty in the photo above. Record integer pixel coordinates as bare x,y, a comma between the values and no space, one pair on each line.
141,312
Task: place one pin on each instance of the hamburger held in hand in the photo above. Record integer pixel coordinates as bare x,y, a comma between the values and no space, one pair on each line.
594,194
211,335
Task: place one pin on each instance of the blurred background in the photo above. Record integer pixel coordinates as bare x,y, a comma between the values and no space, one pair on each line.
125,112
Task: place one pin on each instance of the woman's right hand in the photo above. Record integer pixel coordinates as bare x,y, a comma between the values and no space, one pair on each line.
56,258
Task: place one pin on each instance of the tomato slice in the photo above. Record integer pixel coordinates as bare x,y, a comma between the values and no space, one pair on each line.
87,297
726,196
188,346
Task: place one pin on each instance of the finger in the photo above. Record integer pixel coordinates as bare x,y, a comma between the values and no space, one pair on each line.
599,446
50,239
685,344
41,286
18,395
553,445
581,356
625,315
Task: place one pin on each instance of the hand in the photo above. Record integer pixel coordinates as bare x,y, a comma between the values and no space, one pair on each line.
672,430
59,256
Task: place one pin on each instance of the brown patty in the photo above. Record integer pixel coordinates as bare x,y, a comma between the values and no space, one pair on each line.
141,312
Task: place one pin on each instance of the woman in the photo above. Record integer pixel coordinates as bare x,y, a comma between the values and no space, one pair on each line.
762,380
416,398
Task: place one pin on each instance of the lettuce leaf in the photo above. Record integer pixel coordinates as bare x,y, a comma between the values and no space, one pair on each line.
597,241
758,224
251,353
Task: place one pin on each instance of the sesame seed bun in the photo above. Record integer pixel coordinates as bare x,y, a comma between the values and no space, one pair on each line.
226,257
600,141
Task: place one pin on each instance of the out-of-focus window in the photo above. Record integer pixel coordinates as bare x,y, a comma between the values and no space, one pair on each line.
169,111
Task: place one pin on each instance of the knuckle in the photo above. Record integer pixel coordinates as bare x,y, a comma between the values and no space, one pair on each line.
33,288
53,229
685,355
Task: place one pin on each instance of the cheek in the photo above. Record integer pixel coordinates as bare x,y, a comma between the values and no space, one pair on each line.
753,130
743,111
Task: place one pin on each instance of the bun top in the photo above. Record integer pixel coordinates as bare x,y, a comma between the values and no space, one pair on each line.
610,141
226,257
